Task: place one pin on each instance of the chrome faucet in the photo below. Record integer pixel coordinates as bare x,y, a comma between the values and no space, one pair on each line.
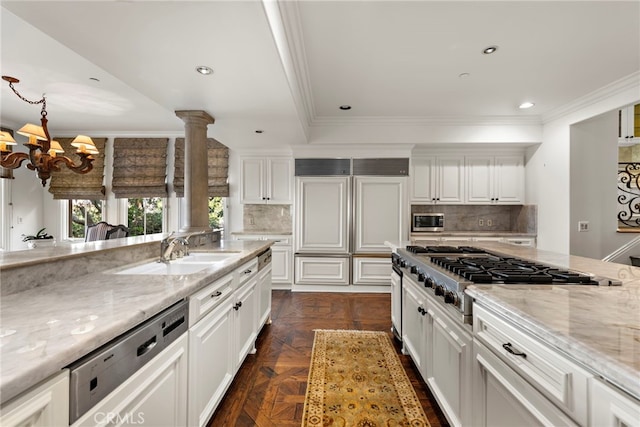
168,245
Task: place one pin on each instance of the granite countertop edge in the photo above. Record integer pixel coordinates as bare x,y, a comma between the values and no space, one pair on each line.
39,348
595,361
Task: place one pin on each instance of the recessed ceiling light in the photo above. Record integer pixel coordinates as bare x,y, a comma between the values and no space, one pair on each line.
345,107
489,50
463,75
259,131
204,70
526,105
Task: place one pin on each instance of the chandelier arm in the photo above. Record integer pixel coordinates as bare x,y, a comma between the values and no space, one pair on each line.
85,166
13,160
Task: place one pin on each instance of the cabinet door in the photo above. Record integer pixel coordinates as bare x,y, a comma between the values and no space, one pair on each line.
322,270
422,178
264,296
281,264
450,180
252,185
629,124
156,395
210,339
610,408
245,321
479,179
502,398
379,213
322,214
371,271
413,329
449,353
396,304
45,405
280,175
509,180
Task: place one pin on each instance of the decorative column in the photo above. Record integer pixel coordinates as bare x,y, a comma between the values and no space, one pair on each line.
196,178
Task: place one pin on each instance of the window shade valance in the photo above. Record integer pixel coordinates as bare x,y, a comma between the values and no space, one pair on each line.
140,167
66,184
218,167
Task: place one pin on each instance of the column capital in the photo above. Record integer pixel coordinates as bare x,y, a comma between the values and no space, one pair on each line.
193,116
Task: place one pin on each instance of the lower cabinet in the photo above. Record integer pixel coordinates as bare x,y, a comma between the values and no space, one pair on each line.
312,270
45,405
156,395
264,296
211,362
371,270
245,321
611,408
440,349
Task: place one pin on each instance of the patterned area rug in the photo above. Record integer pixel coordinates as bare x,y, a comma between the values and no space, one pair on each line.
356,379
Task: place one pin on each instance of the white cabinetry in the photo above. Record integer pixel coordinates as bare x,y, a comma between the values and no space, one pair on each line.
611,408
414,335
371,270
437,179
516,371
498,179
380,213
246,311
629,125
281,256
264,296
211,339
266,180
449,364
156,395
45,405
310,270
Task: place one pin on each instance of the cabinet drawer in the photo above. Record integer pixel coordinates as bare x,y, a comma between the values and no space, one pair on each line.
322,271
247,271
560,380
371,271
205,300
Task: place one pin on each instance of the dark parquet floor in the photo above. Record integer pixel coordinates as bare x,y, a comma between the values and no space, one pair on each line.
269,389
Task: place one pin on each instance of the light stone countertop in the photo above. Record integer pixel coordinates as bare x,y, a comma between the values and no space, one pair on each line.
427,234
262,232
597,326
44,329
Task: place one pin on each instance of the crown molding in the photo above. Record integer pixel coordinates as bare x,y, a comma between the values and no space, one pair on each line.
626,83
431,121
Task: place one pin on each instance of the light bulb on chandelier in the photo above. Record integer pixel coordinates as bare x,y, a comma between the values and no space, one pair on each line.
43,155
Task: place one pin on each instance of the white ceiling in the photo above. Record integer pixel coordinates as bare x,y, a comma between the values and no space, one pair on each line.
286,67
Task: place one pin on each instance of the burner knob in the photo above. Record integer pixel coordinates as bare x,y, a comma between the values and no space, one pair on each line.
429,283
439,290
420,277
403,263
414,269
451,298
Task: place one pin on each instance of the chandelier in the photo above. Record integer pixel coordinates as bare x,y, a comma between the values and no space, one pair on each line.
43,155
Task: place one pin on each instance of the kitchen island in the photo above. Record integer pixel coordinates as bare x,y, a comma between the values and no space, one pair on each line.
46,327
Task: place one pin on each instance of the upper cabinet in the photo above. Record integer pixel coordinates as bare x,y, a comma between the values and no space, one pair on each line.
266,180
629,125
437,179
495,180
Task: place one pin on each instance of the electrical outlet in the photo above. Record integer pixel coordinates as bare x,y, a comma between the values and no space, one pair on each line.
583,225
481,222
489,223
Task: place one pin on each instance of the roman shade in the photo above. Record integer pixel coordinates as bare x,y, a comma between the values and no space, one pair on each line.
217,165
66,184
140,167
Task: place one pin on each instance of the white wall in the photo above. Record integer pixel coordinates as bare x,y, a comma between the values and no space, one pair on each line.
548,165
25,207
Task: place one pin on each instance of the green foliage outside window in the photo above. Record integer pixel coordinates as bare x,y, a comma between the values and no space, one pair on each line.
215,212
145,216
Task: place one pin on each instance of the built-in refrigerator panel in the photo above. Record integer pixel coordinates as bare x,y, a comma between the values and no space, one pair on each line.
380,213
323,210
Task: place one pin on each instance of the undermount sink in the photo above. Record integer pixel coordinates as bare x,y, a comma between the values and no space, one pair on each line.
172,268
206,257
190,264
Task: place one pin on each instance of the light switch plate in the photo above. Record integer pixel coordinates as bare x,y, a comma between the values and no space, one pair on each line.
583,225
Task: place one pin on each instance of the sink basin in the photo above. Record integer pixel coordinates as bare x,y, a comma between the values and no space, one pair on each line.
165,269
206,257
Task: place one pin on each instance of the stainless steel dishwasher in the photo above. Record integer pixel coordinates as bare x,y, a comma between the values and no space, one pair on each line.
99,373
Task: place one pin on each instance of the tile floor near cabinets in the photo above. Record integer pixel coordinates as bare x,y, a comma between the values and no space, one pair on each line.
270,387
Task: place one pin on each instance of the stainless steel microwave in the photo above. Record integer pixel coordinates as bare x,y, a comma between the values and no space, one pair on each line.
427,222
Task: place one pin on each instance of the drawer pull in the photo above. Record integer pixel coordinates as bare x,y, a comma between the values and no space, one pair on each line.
216,294
247,271
509,347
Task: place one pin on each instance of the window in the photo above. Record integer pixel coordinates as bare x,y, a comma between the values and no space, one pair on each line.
145,215
83,213
216,212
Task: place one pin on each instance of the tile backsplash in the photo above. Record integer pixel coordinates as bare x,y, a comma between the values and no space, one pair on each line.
270,218
494,218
